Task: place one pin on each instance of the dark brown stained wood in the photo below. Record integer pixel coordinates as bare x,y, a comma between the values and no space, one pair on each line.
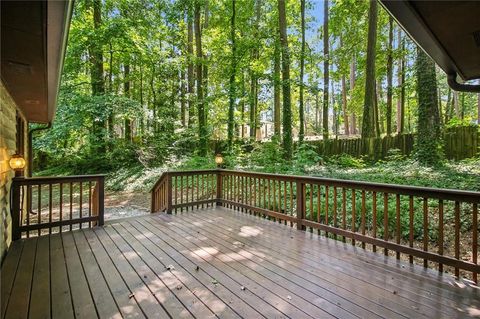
162,293
197,282
128,306
475,239
18,304
40,300
146,300
352,292
121,270
104,302
397,219
8,272
188,299
434,287
425,229
60,286
188,267
263,291
374,218
83,303
217,275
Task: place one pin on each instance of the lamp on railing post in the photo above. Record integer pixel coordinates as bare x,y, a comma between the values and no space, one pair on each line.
16,163
219,160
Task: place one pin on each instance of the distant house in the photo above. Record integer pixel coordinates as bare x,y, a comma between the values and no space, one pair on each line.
33,42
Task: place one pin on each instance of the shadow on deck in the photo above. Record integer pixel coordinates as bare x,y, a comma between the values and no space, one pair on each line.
218,262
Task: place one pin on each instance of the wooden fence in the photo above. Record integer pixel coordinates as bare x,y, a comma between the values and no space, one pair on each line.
420,225
460,143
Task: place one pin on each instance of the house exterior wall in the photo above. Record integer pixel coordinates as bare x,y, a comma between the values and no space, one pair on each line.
8,147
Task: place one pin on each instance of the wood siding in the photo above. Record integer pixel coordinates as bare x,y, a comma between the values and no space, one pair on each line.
8,142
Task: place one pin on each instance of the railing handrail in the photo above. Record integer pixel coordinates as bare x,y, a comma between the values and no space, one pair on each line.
56,179
429,192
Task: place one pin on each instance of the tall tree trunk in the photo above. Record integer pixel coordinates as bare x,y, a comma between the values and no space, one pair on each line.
317,111
190,75
448,106
368,125
377,109
182,98
389,76
253,104
456,104
344,105
276,86
205,75
325,69
111,132
301,111
428,129
231,106
202,130
353,121
242,106
287,109
96,76
401,85
126,91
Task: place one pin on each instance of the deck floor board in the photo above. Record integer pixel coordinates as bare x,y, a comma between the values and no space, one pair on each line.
217,263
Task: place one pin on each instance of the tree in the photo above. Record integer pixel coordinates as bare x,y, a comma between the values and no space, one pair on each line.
389,76
302,71
401,85
368,125
276,85
190,76
428,146
287,109
126,91
202,129
231,106
325,70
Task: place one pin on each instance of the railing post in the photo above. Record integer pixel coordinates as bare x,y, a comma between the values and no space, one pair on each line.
300,206
169,193
101,200
15,209
219,188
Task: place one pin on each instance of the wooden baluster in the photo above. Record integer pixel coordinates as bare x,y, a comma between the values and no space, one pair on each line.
269,205
385,221
197,189
264,186
425,229
187,191
327,207
285,209
89,203
354,210
344,210
397,230
410,226
176,193
457,236
71,204
29,208
374,219
363,217
475,239
319,206
274,197
311,204
440,232
49,207
81,202
335,224
291,202
39,208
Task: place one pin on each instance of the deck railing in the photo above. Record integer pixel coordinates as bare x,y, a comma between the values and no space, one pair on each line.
437,228
46,205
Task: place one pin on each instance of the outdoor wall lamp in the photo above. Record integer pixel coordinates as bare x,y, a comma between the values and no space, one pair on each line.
219,160
17,163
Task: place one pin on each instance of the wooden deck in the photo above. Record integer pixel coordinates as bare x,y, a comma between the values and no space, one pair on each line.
217,263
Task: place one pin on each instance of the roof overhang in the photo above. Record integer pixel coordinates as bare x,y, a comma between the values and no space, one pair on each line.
33,41
448,31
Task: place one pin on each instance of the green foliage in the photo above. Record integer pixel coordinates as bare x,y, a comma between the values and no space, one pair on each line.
305,156
346,161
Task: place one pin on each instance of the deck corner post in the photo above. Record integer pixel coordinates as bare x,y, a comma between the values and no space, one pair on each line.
15,210
300,205
219,188
101,200
169,193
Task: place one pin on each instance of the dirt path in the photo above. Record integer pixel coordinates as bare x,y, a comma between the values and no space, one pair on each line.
126,204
